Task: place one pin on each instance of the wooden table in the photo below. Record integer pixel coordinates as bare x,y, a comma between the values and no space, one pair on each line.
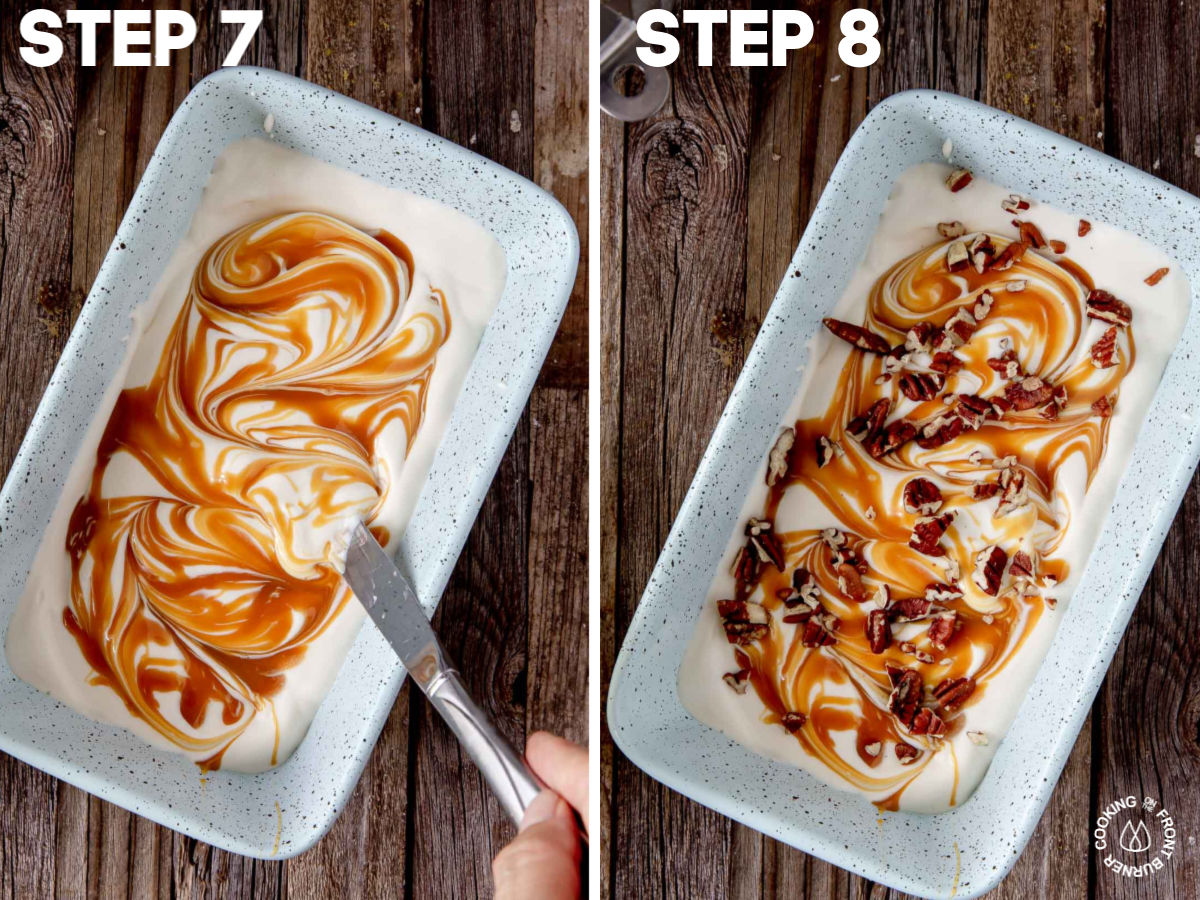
702,208
508,81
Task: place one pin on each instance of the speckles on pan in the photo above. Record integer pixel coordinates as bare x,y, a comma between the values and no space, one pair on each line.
238,812
991,828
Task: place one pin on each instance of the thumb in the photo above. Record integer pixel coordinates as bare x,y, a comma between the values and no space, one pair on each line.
543,859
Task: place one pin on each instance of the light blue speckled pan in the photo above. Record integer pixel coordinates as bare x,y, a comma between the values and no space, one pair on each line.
286,810
967,851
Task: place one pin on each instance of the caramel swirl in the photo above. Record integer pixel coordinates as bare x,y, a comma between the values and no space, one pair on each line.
843,689
200,553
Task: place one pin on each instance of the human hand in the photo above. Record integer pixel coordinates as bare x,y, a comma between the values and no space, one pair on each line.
543,860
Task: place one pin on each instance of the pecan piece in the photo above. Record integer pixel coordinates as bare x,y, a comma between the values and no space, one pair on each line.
1027,393
850,583
940,431
1157,275
906,696
1059,247
989,569
827,451
927,534
1014,204
745,622
921,386
804,589
793,721
946,362
1084,227
940,592
879,631
1006,365
1013,494
1103,407
819,629
1104,306
942,630
957,257
910,609
1030,234
858,336
926,721
974,410
922,497
870,423
891,438
907,753
745,565
765,542
958,179
984,489
1021,565
1009,256
982,252
738,680
1104,352
920,337
950,230
778,460
953,692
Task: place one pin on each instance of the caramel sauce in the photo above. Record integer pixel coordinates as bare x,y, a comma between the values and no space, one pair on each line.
287,361
843,688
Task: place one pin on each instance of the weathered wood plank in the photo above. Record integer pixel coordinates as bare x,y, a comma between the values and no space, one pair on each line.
1148,713
478,91
686,194
37,116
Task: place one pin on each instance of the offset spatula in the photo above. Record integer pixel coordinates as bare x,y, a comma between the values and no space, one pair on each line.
392,603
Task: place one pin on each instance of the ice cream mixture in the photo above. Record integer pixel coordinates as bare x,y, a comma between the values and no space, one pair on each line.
920,522
292,371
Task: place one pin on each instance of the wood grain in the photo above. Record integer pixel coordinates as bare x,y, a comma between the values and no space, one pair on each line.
73,145
1076,66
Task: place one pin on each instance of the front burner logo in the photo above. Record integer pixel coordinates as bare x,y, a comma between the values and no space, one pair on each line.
1145,834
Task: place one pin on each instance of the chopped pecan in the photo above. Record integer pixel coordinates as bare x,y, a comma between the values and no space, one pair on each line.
1009,256
957,257
819,629
922,497
1014,204
858,336
974,410
940,592
953,692
765,542
958,179
1016,285
1104,352
940,431
1103,407
921,385
906,696
827,451
920,337
850,583
879,631
793,721
804,588
989,569
1013,495
1084,227
982,306
982,252
745,565
869,424
1027,393
745,622
873,749
1157,275
946,362
738,680
1021,565
927,534
984,489
1007,365
1059,247
1060,395
926,721
1030,234
978,737
911,609
907,753
942,630
950,230
891,438
778,460
1104,306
